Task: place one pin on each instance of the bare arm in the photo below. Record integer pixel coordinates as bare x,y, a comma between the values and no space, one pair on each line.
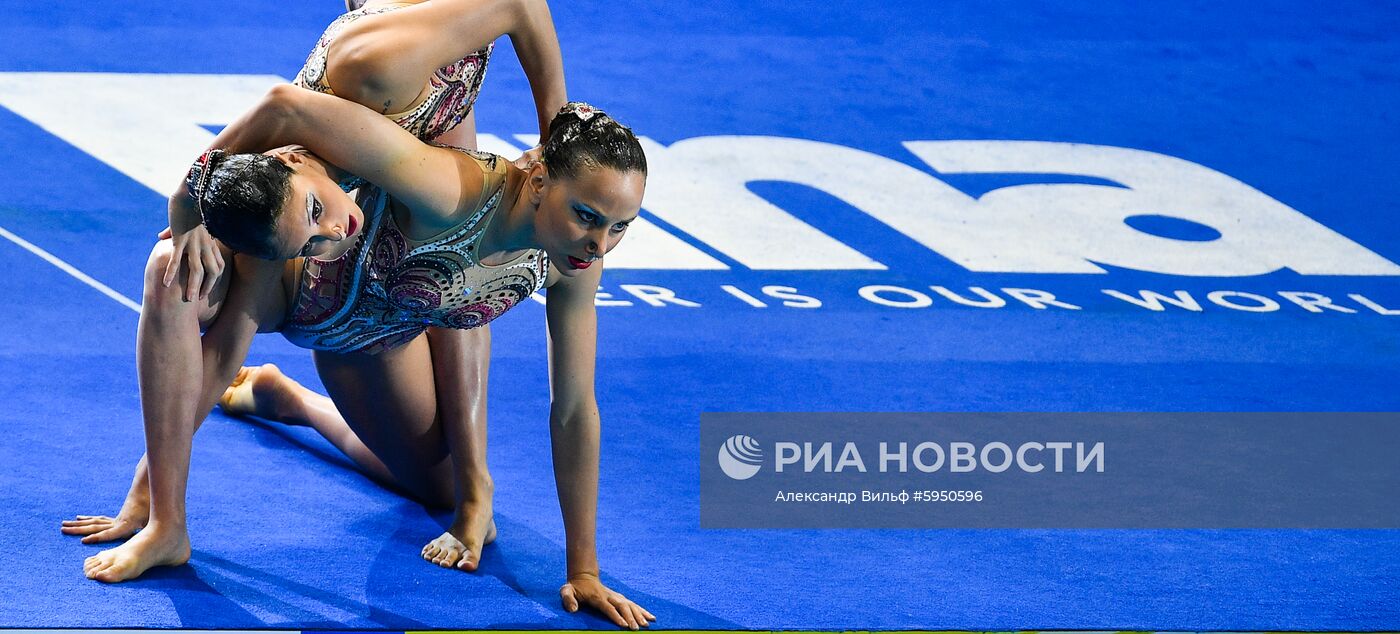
537,46
574,429
429,180
573,413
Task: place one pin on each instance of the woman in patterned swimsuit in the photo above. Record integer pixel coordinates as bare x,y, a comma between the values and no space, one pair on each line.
422,395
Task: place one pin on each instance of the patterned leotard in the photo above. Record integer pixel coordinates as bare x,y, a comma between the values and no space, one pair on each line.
389,288
451,90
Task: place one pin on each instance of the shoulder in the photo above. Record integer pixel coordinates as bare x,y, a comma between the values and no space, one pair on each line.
494,169
487,161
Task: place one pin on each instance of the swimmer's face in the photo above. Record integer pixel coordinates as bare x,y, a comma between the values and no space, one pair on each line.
581,219
318,219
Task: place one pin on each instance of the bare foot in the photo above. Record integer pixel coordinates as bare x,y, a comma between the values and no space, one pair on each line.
460,547
154,546
257,392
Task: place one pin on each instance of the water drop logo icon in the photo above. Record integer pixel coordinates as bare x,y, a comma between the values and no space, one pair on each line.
740,457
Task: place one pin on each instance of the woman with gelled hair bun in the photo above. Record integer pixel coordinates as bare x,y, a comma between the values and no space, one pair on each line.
239,196
435,243
585,138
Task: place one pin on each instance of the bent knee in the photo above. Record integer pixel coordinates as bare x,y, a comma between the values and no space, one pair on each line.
162,254
156,294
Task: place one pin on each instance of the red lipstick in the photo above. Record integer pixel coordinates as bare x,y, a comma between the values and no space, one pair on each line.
579,264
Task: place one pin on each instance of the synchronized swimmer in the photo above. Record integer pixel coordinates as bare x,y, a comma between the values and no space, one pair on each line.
391,289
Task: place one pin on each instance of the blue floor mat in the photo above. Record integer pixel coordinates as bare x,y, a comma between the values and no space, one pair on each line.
1291,100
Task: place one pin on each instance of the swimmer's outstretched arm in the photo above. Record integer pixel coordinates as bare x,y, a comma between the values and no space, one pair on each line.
574,437
350,137
433,183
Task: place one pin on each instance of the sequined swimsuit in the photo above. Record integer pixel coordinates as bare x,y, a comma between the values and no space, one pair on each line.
451,90
389,288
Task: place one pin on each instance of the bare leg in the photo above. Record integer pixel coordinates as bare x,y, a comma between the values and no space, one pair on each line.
389,401
178,370
167,349
269,394
460,361
135,510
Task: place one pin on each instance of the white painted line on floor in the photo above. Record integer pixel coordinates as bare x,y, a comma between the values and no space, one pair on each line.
71,270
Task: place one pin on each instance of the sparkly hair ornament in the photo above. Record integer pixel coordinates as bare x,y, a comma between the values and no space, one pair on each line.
198,178
579,109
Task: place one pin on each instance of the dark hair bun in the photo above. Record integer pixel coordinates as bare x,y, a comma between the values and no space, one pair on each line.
240,197
583,136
